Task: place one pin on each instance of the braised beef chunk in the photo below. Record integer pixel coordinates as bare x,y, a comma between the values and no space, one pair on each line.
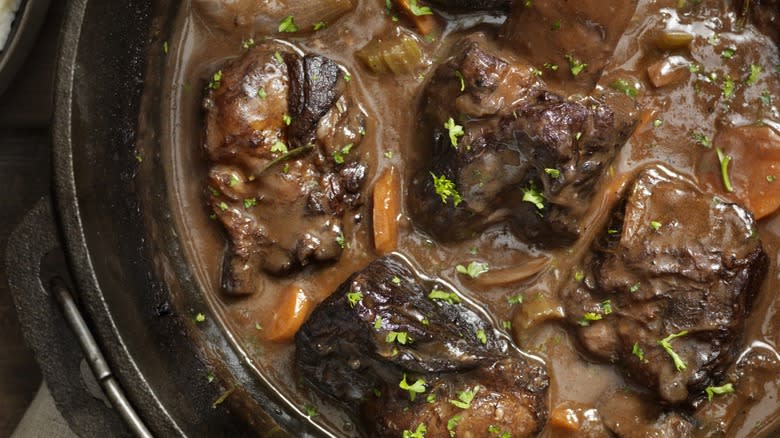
571,42
282,133
629,415
385,331
473,5
526,156
667,290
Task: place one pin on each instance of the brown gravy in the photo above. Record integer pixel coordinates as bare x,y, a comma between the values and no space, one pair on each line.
200,46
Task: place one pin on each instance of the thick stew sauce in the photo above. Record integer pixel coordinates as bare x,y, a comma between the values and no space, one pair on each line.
490,218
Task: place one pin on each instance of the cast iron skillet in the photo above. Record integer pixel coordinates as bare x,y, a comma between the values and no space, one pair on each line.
137,292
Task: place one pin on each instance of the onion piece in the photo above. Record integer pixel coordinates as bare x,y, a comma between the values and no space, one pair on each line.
514,274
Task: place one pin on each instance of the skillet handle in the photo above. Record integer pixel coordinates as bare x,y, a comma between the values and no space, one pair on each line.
57,333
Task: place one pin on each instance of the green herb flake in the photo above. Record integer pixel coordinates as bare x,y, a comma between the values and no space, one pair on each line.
210,377
418,387
727,89
455,131
536,72
311,411
250,202
418,433
165,47
223,206
278,57
719,390
319,25
396,281
388,155
579,276
378,322
258,326
554,173
200,317
625,87
233,180
556,26
287,119
481,336
216,80
657,123
462,80
452,424
575,65
666,344
550,66
338,156
440,295
755,72
430,398
261,93
445,188
248,43
701,139
533,196
419,10
771,178
655,225
724,169
606,306
506,325
766,98
728,52
288,24
515,299
498,432
341,241
635,287
474,269
354,297
638,352
465,398
279,147
399,337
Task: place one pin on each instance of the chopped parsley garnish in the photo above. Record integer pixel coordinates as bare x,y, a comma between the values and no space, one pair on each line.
200,317
498,433
445,188
288,24
396,281
248,43
701,139
261,93
536,72
250,202
728,52
655,225
338,156
319,25
506,325
419,10
233,181
430,398
287,119
465,398
579,276
625,87
455,131
657,123
165,47
724,169
418,433
481,336
606,306
378,322
388,155
354,298
462,80
311,411
279,147
755,72
590,316
535,197
216,80
728,87
771,178
440,295
278,57
342,242
719,390
415,388
556,25
552,67
554,173
635,287
452,424
258,326
666,343
516,299
638,352
766,98
347,78
223,206
474,269
400,337
575,65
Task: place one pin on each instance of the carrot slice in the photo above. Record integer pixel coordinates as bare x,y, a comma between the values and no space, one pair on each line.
425,24
290,314
387,208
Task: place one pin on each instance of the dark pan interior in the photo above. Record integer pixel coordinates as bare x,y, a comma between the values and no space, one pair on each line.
133,282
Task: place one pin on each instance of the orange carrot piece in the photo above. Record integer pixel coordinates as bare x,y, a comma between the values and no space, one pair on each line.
387,208
291,312
425,24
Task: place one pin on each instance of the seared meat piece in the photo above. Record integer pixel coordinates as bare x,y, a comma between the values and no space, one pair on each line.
281,134
472,5
576,36
385,326
765,15
667,290
527,155
629,415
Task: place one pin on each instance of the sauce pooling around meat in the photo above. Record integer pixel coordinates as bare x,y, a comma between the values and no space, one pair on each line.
525,218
